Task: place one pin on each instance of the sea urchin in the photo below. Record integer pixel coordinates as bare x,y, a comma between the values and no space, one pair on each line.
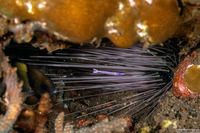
129,81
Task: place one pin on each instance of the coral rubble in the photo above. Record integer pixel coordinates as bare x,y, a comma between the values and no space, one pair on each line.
12,97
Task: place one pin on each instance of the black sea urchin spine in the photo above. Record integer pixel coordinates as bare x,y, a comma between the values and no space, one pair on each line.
130,81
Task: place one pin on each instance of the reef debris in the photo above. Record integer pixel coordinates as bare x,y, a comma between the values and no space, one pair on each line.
105,126
29,31
34,120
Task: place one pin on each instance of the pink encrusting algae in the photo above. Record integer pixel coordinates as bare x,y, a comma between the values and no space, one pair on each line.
186,79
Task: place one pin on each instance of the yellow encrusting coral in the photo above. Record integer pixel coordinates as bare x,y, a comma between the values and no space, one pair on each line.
80,21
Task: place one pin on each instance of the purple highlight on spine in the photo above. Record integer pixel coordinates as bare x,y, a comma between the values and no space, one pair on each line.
108,73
